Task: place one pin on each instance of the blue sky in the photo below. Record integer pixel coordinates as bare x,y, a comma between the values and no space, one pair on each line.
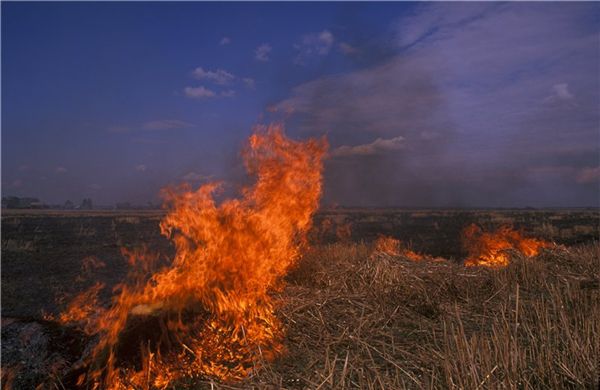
424,104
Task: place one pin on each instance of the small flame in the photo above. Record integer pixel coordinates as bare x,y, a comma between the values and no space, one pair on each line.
82,307
213,300
491,249
394,247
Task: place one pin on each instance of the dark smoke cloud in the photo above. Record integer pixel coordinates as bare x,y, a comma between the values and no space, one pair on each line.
496,105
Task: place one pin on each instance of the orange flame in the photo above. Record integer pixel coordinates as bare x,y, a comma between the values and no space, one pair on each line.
394,247
213,300
82,307
491,249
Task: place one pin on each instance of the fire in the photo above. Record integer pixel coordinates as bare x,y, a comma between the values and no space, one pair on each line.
394,247
212,303
492,249
82,307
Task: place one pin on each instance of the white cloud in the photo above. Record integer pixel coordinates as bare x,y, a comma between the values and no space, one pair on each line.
194,176
225,41
347,49
141,168
223,78
560,92
314,44
60,170
325,40
218,76
262,52
198,92
380,145
165,124
249,82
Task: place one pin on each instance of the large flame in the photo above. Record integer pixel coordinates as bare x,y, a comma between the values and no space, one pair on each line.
213,300
492,248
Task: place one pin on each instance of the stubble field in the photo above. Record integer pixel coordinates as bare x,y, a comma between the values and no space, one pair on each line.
354,317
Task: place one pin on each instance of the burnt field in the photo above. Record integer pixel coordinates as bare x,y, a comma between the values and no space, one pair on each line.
43,251
354,317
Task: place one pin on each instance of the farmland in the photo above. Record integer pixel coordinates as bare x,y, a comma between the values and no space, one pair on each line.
354,317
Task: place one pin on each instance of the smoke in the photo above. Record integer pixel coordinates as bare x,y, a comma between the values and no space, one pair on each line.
388,130
476,117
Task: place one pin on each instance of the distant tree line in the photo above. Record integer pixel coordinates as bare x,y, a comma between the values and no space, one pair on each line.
15,202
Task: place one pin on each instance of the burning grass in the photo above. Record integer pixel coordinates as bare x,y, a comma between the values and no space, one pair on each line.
389,246
353,319
212,303
492,249
358,320
387,322
227,312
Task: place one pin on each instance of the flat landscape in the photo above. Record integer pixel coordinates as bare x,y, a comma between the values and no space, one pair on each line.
354,315
300,195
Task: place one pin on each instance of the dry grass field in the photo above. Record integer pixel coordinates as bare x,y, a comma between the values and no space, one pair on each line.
354,317
363,321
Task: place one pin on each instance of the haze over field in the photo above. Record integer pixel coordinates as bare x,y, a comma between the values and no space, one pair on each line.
423,104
